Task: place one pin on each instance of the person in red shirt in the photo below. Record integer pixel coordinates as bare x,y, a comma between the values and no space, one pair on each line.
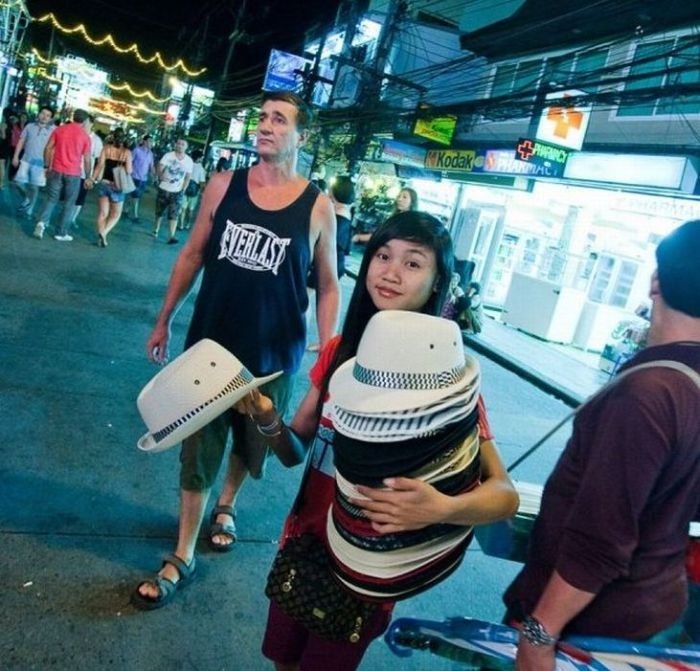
66,153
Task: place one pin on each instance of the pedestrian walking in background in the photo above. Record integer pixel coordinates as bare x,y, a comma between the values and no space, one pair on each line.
67,153
342,196
143,167
174,174
96,146
110,197
31,174
193,191
6,148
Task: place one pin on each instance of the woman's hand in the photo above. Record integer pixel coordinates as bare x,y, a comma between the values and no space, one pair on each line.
258,406
407,504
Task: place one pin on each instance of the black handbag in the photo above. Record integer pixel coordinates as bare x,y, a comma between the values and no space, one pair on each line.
301,583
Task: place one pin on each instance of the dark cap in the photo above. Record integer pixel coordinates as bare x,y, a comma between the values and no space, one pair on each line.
678,268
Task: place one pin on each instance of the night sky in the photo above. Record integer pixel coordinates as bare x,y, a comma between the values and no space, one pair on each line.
181,30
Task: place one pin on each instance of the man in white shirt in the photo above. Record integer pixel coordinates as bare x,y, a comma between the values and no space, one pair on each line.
193,191
174,173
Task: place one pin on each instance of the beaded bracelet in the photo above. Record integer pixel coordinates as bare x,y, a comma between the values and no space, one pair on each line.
270,430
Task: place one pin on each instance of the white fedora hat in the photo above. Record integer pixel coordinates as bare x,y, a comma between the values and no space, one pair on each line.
405,360
191,391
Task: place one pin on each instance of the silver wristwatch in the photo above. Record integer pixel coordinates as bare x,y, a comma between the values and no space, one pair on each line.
533,631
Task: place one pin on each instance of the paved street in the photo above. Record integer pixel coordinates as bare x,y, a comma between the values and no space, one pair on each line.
84,515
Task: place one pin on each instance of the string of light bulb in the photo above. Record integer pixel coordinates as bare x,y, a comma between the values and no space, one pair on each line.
108,39
125,86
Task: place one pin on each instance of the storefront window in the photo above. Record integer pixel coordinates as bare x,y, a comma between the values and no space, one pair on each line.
597,242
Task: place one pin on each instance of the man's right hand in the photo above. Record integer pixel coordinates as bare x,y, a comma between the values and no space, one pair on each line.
157,344
15,162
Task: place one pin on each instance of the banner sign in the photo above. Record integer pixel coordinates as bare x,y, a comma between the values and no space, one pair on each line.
488,161
455,160
402,153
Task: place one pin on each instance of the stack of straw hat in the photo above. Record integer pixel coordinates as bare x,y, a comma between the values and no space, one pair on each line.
406,405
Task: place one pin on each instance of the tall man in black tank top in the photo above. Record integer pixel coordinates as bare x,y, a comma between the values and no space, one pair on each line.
256,233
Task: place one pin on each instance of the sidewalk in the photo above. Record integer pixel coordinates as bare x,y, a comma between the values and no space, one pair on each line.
564,372
567,374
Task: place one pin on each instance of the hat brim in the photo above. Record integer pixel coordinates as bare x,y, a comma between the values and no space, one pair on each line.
350,394
148,443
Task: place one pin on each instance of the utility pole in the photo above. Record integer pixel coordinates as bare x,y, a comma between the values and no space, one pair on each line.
349,11
233,40
186,108
371,84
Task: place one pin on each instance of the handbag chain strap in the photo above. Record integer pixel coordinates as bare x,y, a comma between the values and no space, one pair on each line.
662,363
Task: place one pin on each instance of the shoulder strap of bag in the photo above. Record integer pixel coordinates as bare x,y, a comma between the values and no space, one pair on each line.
662,363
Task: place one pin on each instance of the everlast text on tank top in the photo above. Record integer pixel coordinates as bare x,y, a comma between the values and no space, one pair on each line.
253,294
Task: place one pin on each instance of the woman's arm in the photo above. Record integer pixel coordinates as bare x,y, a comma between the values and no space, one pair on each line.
100,167
289,443
413,504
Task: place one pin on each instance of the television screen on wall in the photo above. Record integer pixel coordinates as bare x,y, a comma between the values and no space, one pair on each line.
440,129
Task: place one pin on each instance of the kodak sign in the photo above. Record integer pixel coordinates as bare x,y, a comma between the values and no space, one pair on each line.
455,160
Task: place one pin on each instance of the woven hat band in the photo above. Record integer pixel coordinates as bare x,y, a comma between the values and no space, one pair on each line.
243,378
408,381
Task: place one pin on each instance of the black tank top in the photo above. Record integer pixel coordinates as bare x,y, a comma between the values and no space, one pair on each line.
110,164
253,294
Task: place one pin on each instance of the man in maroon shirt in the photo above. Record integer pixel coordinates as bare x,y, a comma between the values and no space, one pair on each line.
607,551
66,152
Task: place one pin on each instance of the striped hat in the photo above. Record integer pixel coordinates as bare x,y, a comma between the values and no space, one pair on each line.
405,361
191,391
406,405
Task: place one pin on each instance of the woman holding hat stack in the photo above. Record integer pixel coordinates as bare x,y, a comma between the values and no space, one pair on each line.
406,411
407,266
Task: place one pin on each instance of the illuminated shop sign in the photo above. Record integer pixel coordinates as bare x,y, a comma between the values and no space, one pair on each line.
438,129
503,162
661,172
402,153
563,122
541,153
490,161
456,160
285,71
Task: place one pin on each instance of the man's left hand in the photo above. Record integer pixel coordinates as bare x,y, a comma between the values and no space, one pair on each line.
534,657
407,504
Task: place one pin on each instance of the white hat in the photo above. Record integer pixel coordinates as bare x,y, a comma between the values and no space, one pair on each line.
405,360
191,391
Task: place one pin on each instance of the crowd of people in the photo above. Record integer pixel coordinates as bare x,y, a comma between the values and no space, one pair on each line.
608,548
64,162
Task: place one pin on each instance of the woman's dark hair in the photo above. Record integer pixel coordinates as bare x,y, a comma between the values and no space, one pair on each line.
118,137
418,227
414,198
